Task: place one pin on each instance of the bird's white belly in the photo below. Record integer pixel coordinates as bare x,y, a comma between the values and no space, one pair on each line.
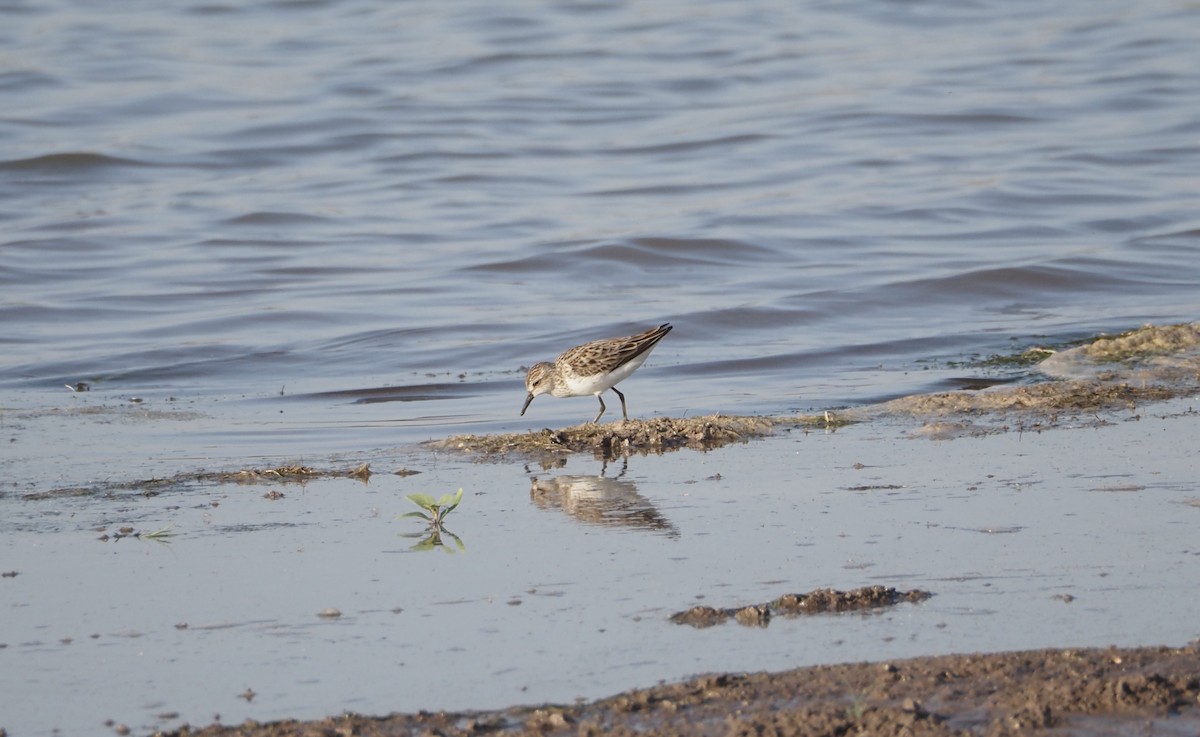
581,386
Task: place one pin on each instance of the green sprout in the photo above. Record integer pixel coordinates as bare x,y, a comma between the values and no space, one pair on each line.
435,514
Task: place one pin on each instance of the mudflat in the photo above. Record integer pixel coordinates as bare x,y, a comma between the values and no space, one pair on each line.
1118,691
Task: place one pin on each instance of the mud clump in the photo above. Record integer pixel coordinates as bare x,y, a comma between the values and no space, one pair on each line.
817,601
622,438
831,600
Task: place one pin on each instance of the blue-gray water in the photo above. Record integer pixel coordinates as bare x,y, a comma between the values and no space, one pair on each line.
207,199
323,227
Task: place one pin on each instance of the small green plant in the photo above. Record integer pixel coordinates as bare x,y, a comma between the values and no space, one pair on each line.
435,512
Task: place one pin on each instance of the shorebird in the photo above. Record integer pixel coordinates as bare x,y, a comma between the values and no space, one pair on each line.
592,368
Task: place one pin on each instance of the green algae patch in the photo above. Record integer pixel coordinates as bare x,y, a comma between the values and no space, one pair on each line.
1147,341
1109,374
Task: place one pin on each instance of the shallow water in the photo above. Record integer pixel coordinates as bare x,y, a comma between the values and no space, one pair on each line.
568,575
325,231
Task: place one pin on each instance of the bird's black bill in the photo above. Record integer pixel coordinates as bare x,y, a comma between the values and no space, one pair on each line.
526,405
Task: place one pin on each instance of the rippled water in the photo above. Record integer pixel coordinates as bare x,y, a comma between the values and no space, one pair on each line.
202,199
299,227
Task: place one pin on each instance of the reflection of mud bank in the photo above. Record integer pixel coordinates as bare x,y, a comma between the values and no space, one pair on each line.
819,601
1042,692
1109,374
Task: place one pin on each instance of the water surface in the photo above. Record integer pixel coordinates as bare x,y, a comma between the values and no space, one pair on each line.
209,200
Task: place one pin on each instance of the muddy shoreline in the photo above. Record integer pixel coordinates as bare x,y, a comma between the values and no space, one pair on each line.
1059,691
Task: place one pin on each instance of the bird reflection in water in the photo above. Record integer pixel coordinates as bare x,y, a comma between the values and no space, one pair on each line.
596,500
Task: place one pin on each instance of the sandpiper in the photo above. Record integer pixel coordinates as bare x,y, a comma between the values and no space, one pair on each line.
593,367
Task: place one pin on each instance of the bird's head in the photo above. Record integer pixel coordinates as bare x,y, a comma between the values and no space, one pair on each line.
539,380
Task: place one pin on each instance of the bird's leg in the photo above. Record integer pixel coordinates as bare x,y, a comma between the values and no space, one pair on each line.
622,396
602,408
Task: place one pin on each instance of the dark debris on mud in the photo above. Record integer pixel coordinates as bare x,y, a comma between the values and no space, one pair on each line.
289,473
153,487
817,601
